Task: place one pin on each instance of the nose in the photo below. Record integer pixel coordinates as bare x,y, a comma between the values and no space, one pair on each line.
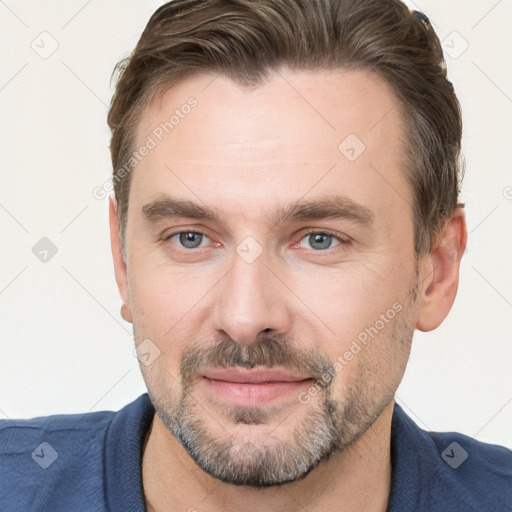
252,301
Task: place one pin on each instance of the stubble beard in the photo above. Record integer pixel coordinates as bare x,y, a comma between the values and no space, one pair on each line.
325,425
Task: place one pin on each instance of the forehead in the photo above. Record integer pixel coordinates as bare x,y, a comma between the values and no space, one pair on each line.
300,133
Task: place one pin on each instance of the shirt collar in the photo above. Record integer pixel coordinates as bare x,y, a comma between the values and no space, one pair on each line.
123,456
409,447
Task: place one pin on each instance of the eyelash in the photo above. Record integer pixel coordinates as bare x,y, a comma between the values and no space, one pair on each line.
342,241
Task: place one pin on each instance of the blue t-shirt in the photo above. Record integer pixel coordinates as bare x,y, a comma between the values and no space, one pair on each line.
92,462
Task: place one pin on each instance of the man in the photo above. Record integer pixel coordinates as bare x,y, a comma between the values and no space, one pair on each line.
285,216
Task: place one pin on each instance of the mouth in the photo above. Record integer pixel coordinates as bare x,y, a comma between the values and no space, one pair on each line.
249,388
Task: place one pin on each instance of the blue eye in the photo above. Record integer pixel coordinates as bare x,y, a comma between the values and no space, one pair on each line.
189,239
320,241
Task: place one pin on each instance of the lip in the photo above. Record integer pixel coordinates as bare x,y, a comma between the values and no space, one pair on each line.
245,376
252,388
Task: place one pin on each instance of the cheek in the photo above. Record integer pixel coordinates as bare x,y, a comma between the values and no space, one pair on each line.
162,297
373,363
165,306
348,300
366,326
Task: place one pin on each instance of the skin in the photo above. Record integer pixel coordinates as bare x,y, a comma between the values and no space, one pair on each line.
246,153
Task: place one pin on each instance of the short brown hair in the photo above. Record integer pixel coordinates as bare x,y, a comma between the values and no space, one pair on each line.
246,39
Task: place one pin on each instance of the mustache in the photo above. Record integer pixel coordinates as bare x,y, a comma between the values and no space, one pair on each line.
268,353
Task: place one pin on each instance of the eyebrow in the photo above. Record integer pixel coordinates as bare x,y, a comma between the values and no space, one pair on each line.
329,207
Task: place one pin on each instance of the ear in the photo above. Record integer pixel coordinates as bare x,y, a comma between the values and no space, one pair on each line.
440,271
119,263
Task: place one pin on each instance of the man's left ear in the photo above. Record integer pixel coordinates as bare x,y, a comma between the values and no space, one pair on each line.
440,276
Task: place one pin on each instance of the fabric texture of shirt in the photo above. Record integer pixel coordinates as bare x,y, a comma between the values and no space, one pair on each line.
92,462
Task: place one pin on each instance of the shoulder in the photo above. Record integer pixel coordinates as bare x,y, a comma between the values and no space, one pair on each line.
479,473
39,454
453,471
56,462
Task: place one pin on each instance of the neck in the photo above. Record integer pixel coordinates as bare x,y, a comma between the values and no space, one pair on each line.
358,478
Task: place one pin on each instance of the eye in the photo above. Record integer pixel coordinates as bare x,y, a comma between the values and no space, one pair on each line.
319,241
188,239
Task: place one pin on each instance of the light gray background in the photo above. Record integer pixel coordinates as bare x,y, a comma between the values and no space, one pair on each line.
64,346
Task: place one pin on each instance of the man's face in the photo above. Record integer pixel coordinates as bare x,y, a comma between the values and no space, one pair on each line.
283,305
